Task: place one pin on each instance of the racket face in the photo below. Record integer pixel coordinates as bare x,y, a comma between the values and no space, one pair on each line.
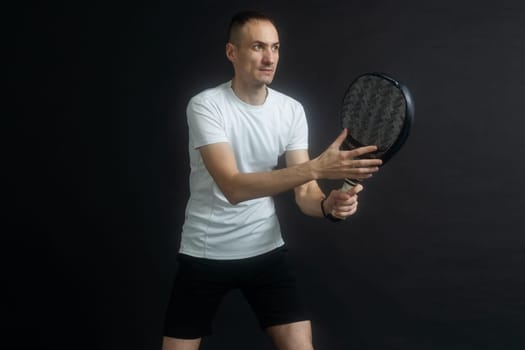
377,110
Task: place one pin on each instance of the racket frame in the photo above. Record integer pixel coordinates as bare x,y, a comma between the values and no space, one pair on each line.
405,131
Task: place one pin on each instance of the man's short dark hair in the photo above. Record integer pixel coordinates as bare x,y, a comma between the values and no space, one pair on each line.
240,19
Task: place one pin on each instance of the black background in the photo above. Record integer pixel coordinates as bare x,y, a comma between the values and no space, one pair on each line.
96,157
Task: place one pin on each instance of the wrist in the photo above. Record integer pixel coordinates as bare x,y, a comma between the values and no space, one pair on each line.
326,214
306,171
312,170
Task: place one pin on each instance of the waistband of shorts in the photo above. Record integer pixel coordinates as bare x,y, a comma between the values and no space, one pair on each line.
273,252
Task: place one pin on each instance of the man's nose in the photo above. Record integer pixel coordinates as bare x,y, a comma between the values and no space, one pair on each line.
269,56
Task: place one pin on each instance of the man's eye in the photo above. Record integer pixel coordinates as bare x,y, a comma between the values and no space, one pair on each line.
257,47
276,48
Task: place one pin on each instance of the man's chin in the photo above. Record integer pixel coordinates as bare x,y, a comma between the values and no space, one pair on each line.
266,81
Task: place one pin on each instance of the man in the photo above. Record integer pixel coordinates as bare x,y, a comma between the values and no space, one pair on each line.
231,237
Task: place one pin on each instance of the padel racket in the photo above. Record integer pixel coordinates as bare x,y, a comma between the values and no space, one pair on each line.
377,110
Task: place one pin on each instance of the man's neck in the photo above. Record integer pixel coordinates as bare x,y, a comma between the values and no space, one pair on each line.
251,94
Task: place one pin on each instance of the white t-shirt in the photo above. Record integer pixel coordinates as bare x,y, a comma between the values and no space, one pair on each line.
258,135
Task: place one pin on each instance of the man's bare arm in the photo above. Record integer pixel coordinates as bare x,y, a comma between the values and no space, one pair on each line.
331,164
308,196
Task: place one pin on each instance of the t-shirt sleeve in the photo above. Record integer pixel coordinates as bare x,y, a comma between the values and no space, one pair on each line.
298,130
205,124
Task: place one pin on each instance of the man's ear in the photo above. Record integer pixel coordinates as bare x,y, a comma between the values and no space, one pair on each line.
231,52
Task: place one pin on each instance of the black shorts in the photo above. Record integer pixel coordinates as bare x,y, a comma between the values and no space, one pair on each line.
200,285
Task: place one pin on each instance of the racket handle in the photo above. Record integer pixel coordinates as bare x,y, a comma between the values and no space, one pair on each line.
348,184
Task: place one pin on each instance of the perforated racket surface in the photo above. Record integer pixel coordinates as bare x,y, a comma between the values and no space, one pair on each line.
377,110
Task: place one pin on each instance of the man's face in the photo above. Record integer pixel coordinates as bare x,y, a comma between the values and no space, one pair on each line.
256,54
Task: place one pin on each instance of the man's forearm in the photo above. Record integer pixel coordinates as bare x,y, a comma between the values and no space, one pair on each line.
308,198
244,186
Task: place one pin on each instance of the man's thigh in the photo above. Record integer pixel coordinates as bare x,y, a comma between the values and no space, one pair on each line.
273,293
180,344
292,336
198,290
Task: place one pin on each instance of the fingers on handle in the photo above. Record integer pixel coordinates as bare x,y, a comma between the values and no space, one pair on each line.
348,185
355,190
